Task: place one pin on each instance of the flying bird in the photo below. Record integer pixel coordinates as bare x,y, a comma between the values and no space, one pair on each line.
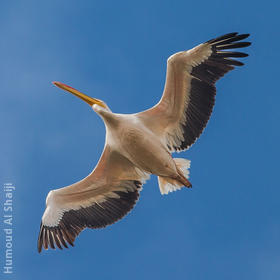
141,144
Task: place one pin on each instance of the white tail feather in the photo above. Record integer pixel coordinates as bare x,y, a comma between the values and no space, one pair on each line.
167,185
183,165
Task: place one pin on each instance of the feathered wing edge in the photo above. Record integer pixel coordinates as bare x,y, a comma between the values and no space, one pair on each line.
199,105
98,215
102,198
189,94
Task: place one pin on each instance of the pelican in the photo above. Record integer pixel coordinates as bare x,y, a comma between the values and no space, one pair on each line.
138,145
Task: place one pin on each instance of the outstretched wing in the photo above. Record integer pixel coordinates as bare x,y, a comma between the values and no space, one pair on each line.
189,94
102,198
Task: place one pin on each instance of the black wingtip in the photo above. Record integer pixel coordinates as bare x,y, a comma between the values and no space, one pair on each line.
223,37
246,35
40,240
228,38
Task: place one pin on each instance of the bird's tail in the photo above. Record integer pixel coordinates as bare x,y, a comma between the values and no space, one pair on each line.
167,184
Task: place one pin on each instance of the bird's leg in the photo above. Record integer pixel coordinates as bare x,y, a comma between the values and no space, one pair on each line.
189,184
181,178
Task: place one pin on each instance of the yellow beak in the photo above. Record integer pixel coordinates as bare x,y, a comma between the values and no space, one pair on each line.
87,99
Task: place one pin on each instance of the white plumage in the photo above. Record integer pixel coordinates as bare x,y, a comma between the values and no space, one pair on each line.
141,144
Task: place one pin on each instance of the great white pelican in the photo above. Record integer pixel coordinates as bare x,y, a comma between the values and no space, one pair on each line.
141,144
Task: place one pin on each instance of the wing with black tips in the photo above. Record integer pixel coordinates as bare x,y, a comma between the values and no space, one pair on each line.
189,94
101,199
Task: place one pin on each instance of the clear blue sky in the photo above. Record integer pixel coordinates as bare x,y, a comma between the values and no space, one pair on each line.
227,226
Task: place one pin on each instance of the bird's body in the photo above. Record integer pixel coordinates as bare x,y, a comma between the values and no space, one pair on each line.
131,138
141,144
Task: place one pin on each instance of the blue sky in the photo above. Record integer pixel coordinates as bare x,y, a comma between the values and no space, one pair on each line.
227,226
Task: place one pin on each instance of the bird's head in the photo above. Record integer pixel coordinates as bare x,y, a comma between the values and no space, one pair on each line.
97,105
